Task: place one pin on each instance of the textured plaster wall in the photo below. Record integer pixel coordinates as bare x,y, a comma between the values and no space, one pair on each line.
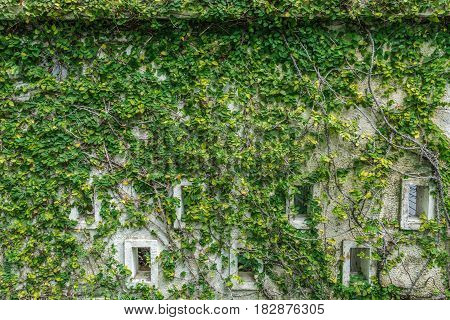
431,280
156,227
442,116
430,283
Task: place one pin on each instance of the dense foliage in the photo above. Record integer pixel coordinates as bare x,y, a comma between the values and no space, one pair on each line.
239,109
223,9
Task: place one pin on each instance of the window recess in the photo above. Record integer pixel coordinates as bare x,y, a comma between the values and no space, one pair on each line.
417,202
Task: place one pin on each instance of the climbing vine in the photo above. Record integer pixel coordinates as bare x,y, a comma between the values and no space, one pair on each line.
213,10
112,114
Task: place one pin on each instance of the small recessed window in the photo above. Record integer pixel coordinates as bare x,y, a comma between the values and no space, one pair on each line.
244,265
178,191
140,258
298,205
143,263
187,198
417,202
302,196
86,211
359,264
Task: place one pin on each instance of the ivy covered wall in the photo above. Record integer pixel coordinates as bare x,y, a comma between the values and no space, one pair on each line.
106,117
223,9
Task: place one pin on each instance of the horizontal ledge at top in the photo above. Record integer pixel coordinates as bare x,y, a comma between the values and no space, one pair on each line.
67,10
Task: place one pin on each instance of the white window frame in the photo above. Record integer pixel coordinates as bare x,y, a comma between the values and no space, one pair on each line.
413,223
130,252
296,220
369,269
177,192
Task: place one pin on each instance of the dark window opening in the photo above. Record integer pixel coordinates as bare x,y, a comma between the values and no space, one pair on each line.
185,199
245,266
417,200
244,263
302,196
143,263
359,263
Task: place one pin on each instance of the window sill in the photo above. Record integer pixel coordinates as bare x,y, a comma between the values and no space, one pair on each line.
246,282
411,224
299,222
